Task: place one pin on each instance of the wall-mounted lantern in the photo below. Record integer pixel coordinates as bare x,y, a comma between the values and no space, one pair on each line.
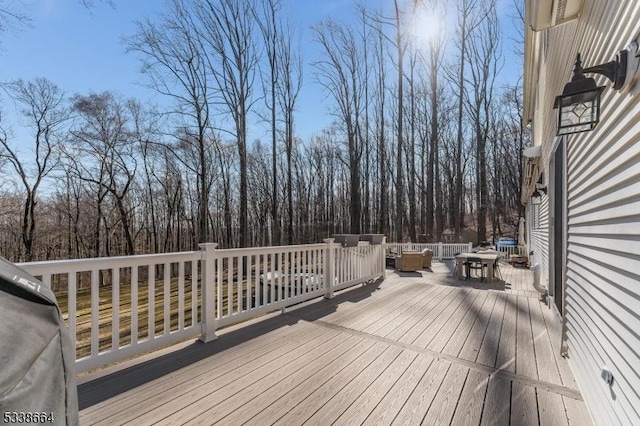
536,197
579,105
541,187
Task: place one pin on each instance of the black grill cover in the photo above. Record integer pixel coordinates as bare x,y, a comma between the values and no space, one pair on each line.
37,363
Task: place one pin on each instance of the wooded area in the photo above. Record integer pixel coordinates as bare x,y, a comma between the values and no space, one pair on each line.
423,138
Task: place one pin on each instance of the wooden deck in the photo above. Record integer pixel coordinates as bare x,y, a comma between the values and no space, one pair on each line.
414,348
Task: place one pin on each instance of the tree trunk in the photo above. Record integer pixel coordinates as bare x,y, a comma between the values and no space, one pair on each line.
400,141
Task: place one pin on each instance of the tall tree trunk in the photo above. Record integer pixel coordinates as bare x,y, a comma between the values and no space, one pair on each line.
399,123
290,235
411,172
382,149
432,167
482,187
458,212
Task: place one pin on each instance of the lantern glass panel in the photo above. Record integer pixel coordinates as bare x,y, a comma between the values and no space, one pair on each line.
580,116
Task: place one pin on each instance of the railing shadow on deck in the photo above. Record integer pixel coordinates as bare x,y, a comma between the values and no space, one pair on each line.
326,307
124,379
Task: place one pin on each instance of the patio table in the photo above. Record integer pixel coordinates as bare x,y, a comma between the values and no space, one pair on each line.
487,259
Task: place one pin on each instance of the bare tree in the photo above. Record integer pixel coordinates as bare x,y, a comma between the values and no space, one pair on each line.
41,104
400,44
227,30
290,63
267,20
12,17
175,63
434,223
106,152
14,14
484,65
92,3
468,20
339,74
381,71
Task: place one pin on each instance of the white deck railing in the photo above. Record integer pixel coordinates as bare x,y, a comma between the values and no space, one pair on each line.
119,307
448,251
507,251
441,251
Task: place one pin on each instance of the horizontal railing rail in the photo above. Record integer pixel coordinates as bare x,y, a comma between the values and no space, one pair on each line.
118,307
441,251
508,251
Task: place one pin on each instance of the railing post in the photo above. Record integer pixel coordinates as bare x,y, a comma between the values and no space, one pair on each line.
383,257
470,247
208,282
440,251
329,267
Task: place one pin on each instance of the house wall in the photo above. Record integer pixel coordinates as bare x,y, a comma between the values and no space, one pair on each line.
539,242
603,211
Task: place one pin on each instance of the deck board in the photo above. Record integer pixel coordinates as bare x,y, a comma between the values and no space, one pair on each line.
156,391
392,315
551,409
407,317
506,359
472,326
459,304
554,328
418,333
269,407
362,406
497,409
292,374
469,409
366,369
419,317
524,405
525,355
420,400
197,397
444,404
576,412
472,344
546,362
490,342
426,348
394,400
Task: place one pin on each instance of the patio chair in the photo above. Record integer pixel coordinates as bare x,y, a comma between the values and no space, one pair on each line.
410,261
496,270
427,257
455,265
474,264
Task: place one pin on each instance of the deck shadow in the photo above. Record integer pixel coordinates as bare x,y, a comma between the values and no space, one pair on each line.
326,307
128,378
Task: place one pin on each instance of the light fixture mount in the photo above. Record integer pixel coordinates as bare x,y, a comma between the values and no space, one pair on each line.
615,70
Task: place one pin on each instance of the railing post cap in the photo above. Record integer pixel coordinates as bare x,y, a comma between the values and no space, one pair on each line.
208,246
329,240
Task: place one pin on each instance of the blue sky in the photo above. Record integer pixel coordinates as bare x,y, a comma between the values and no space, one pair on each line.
82,50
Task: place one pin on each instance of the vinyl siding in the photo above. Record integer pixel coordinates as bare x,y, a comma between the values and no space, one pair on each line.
603,213
540,238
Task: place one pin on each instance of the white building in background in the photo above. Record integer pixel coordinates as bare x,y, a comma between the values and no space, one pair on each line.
585,231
